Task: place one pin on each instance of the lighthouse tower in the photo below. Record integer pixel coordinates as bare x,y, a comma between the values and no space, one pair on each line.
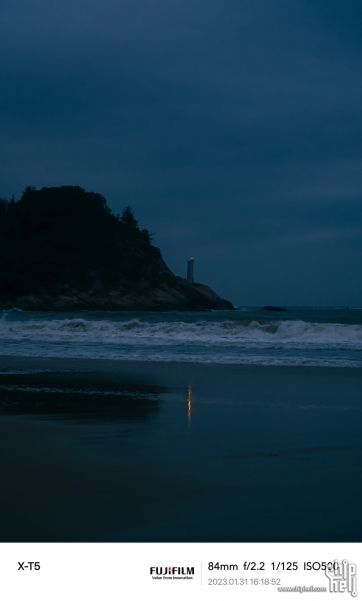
190,271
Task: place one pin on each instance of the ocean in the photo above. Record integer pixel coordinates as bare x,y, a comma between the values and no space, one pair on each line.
240,426
305,336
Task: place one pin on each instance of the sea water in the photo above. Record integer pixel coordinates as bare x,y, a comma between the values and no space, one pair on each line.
309,336
226,426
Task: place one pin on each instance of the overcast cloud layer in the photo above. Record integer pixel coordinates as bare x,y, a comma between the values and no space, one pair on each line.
232,128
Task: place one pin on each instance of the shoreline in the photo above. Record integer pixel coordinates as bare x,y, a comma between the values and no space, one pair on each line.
147,365
128,451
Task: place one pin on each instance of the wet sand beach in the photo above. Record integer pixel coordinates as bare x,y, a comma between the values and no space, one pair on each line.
132,451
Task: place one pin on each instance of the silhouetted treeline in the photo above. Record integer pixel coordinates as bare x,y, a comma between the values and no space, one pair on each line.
65,235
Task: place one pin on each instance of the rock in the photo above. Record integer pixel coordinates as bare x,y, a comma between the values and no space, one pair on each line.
83,297
30,303
270,308
97,287
64,303
169,294
112,267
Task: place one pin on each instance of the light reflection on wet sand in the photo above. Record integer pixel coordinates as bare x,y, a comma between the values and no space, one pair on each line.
189,403
108,454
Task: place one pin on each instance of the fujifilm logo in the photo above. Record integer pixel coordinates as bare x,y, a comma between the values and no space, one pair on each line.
175,573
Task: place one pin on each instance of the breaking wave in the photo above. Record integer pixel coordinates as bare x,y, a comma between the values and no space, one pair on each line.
243,341
241,333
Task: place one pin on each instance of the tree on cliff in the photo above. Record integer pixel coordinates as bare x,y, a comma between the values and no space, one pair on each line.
128,217
3,205
61,235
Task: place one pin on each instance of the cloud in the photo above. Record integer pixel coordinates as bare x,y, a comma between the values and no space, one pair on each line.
233,129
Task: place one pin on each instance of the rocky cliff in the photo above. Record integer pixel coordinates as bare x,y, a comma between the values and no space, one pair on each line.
62,249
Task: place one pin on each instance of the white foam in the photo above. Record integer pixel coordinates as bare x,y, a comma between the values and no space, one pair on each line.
212,358
247,342
87,391
240,333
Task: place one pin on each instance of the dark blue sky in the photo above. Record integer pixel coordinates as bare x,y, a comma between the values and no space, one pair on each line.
234,130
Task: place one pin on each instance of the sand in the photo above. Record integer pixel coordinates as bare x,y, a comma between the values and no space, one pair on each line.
125,451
